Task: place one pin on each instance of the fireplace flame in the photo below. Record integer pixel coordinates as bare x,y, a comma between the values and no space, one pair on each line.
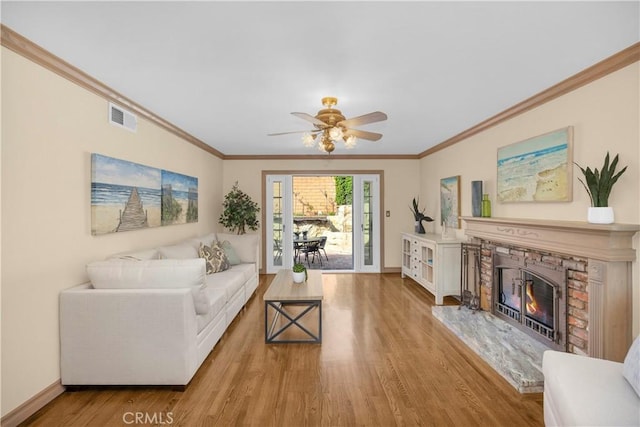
532,304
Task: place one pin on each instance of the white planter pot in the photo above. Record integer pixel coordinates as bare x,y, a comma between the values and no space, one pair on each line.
600,215
298,277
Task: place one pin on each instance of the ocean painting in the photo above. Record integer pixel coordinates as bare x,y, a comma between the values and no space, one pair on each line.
537,169
450,201
124,195
179,198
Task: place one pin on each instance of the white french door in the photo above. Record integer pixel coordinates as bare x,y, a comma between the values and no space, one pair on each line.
366,227
365,215
279,223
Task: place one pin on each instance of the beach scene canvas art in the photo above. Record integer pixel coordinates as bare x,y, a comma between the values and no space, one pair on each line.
537,169
450,201
124,195
179,198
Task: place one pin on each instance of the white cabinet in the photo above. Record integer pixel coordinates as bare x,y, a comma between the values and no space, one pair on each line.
433,262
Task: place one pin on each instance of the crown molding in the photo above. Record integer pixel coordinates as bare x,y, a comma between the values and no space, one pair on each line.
28,49
607,66
322,157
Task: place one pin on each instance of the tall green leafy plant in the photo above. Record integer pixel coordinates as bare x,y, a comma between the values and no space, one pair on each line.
344,190
599,183
239,211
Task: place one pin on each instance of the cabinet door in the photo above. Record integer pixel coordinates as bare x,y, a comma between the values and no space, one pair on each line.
426,257
406,256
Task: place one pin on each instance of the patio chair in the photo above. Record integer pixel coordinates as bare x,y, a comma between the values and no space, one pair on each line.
311,248
323,241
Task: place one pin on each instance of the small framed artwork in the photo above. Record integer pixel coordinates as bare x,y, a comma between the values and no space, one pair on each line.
537,169
450,201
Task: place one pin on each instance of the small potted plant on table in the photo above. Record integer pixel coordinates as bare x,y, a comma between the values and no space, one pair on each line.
299,273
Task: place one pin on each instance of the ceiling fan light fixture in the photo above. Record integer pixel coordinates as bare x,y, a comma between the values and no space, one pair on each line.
350,142
331,126
308,140
335,133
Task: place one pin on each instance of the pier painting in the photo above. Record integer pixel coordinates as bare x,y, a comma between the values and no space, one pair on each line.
129,196
179,198
124,195
537,169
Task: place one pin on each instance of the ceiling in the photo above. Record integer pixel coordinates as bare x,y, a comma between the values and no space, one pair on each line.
229,73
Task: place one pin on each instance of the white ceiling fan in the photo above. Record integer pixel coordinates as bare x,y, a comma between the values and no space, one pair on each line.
332,127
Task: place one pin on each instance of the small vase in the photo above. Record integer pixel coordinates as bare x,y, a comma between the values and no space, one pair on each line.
419,228
600,215
476,198
298,277
486,206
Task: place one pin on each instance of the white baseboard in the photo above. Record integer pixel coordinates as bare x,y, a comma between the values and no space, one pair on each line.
33,405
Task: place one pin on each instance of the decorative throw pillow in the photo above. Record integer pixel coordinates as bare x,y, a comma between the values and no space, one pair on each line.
631,367
231,254
214,256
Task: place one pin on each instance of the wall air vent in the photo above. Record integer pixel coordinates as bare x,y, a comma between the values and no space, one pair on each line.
120,117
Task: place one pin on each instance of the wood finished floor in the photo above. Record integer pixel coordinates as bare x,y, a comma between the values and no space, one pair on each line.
384,361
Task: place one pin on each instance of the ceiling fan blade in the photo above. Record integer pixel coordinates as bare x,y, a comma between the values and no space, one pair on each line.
295,131
376,116
363,134
310,118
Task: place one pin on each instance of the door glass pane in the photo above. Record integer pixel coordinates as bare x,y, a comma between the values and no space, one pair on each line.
367,223
278,223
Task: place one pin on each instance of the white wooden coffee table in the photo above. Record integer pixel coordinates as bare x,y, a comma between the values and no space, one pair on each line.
284,294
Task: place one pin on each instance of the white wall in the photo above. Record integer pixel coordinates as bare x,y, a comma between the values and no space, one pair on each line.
401,184
605,116
50,127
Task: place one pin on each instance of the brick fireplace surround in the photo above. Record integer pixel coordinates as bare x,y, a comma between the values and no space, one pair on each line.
599,282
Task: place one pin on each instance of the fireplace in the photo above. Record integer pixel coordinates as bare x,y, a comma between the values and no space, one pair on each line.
597,296
531,296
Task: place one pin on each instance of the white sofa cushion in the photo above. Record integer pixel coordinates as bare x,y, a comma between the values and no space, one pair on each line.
248,270
230,281
153,274
137,255
631,368
180,251
205,240
588,391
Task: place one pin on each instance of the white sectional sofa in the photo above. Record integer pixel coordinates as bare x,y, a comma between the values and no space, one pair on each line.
152,317
586,391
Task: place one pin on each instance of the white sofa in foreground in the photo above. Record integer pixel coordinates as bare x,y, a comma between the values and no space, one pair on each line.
585,391
152,317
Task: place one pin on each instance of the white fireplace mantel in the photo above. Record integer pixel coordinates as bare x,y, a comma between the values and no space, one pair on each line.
606,242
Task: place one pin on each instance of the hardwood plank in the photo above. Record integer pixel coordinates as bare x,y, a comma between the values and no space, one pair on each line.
384,361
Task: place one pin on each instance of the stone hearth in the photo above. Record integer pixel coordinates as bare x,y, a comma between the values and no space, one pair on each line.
513,354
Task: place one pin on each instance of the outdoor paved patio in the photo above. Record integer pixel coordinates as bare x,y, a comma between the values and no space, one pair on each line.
339,258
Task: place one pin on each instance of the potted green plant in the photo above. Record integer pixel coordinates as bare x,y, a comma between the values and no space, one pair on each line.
239,211
299,273
419,216
598,185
